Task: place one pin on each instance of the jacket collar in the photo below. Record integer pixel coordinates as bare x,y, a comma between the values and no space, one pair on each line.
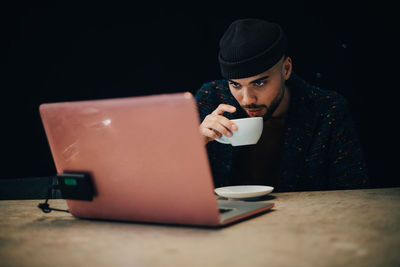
300,124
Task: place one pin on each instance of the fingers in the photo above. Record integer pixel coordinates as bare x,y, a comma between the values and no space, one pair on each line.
215,125
220,124
222,108
209,134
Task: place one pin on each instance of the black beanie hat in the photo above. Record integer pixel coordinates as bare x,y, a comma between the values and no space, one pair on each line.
250,47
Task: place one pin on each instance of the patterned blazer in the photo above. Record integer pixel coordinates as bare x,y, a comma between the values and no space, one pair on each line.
321,147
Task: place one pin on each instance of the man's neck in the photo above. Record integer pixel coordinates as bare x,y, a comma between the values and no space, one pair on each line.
283,108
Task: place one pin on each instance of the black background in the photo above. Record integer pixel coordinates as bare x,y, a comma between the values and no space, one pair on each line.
63,53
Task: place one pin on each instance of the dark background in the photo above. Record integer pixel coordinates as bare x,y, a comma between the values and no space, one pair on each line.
63,53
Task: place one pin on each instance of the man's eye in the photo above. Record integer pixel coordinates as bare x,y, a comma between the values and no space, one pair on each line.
235,85
259,83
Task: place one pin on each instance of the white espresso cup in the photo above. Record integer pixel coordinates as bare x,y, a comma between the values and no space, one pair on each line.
248,133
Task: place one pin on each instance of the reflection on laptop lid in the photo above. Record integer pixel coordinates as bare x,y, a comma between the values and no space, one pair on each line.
146,157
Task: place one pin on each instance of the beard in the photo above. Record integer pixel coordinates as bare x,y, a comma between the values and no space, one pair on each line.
271,107
274,104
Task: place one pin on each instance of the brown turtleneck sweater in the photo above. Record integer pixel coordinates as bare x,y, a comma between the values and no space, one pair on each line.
260,163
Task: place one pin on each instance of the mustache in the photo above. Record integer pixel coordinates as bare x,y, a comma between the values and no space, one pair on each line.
254,106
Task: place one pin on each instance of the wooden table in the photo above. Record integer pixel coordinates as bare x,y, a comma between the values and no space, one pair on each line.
326,228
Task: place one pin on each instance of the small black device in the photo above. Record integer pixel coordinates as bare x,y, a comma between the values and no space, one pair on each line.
76,186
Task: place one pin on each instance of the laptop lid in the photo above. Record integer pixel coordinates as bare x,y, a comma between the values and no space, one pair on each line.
145,155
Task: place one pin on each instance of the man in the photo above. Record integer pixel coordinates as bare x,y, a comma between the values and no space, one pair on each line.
308,141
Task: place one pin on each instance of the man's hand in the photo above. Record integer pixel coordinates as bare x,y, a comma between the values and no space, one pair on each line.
215,125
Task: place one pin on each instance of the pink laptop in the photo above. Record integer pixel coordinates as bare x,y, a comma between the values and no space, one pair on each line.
146,157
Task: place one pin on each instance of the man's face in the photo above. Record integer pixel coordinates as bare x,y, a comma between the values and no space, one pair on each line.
261,95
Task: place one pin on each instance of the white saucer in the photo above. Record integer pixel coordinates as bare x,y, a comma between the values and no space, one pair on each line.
243,191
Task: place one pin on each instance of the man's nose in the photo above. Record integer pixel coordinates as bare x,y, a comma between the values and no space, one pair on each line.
248,97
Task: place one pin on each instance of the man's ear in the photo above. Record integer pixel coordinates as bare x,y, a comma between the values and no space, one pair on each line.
287,68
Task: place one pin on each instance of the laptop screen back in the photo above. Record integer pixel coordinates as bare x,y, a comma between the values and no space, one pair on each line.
145,154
